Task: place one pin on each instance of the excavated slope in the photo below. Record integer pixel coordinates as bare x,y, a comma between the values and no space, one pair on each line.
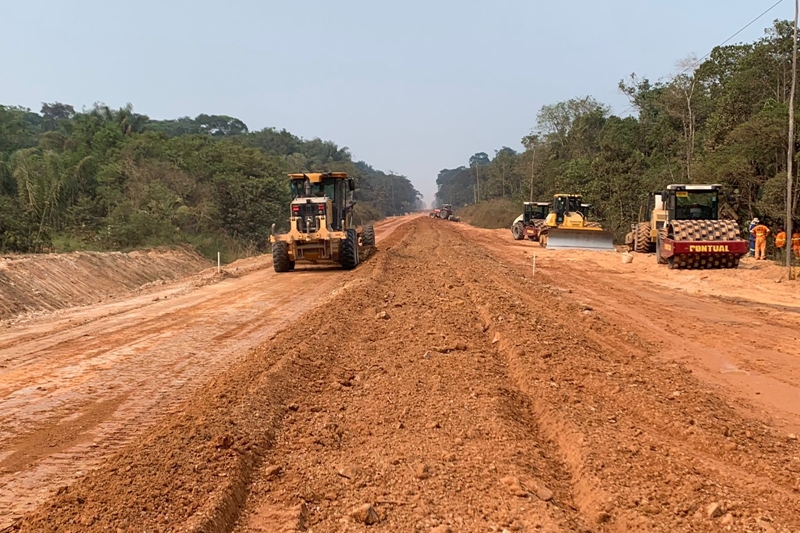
34,283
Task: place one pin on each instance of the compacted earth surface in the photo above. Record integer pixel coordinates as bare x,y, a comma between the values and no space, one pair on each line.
444,385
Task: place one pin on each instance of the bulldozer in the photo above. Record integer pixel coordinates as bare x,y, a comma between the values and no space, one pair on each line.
530,222
567,227
321,228
685,230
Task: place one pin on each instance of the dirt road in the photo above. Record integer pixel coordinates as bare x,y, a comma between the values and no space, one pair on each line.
76,386
446,390
738,329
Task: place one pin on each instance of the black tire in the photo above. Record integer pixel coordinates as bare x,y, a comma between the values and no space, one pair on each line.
368,236
641,238
280,257
518,231
348,250
661,260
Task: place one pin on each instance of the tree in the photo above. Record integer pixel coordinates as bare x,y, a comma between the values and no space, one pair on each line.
54,114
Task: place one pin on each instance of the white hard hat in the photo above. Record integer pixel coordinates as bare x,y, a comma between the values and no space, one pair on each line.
755,220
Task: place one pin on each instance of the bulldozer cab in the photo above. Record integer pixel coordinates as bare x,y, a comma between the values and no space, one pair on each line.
564,204
692,202
535,211
334,190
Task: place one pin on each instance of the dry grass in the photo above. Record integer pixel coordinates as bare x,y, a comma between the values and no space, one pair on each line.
492,214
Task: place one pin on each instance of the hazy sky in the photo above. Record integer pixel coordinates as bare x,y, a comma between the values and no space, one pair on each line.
409,86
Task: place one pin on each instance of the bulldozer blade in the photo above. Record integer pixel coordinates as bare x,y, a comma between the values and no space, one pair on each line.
580,239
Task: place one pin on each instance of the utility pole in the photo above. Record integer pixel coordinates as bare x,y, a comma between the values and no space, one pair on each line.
790,151
477,182
533,161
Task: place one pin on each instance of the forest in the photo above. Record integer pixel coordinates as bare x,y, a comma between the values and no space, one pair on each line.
722,119
114,179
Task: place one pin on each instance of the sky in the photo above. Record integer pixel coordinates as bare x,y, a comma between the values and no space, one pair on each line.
408,86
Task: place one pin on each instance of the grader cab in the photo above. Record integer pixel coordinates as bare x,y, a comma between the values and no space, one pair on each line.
321,228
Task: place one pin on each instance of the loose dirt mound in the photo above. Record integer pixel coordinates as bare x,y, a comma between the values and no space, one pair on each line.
444,391
33,283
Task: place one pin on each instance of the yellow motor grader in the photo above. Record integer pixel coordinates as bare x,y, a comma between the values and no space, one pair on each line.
321,228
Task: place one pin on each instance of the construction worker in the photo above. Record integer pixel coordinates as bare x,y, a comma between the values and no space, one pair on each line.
753,224
780,243
761,232
796,243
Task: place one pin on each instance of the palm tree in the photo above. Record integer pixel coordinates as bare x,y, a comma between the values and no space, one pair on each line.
46,185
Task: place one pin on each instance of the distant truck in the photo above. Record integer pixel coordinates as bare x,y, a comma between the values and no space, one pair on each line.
446,213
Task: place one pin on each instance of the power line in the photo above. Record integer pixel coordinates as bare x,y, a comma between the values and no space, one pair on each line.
729,39
723,43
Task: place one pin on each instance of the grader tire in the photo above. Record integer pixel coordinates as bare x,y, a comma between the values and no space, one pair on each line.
518,231
641,238
280,257
368,236
348,252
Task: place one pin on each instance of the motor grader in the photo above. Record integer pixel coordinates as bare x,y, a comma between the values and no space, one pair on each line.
321,228
567,227
530,222
685,231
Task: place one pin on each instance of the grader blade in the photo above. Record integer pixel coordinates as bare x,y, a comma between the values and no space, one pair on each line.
580,239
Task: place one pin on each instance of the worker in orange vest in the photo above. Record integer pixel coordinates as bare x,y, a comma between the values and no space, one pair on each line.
761,232
780,243
796,243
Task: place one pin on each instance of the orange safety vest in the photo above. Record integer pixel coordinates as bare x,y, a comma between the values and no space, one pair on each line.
795,239
780,240
760,231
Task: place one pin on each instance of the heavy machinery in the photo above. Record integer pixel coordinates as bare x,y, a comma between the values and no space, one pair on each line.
321,228
566,226
445,212
685,231
530,222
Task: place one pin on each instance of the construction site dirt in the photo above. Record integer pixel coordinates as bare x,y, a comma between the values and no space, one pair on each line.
440,386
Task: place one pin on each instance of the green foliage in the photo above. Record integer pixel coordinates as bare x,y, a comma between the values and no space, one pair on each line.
113,179
721,121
